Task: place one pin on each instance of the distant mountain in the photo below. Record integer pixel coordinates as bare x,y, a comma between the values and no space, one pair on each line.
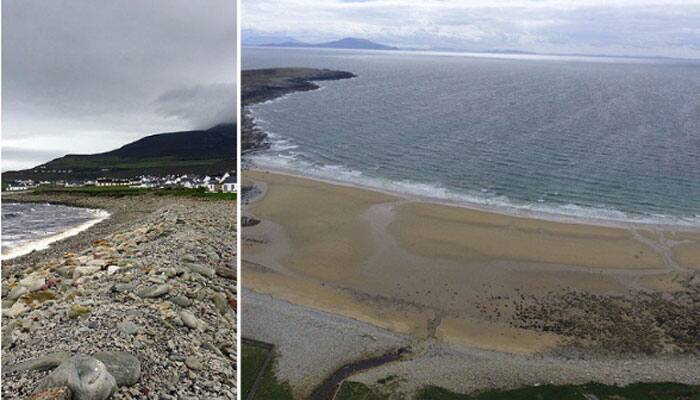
261,40
345,43
208,151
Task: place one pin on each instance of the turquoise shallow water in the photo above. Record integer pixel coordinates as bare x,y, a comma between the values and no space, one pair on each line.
597,138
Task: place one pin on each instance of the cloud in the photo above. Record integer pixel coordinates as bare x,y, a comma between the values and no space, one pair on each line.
82,75
635,27
202,106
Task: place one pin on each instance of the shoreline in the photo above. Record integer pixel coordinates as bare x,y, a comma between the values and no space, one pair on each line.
44,243
536,215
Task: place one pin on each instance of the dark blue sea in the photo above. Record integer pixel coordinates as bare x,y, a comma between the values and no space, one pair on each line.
614,139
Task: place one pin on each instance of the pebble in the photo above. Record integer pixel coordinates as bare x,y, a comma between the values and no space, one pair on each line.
189,319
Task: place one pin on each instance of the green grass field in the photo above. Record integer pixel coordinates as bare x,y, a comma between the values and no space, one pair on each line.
121,191
270,388
638,391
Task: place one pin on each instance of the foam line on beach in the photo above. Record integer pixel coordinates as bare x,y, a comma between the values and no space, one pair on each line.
45,242
572,213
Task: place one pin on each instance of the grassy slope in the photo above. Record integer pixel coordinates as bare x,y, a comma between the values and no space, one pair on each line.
205,152
270,388
117,191
638,391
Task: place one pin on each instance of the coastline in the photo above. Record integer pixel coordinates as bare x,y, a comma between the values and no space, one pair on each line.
264,85
434,272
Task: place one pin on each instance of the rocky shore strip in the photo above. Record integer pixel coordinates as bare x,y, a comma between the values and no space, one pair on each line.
259,85
142,305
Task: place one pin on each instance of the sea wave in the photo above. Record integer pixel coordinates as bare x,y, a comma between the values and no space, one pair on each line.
15,248
483,199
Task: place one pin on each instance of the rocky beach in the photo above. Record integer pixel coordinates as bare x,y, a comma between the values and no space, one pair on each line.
141,305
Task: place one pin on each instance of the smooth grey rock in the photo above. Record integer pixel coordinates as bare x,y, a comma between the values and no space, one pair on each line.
128,328
193,363
181,301
202,270
17,309
154,291
124,367
44,363
212,348
7,335
85,271
33,282
17,292
123,287
221,303
189,319
189,258
87,378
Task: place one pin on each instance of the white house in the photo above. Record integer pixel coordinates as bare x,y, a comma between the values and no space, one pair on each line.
229,184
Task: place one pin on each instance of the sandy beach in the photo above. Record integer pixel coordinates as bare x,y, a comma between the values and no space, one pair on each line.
149,292
473,279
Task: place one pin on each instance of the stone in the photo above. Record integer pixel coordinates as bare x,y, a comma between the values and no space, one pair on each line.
124,367
220,302
43,363
112,269
202,270
57,393
189,319
128,328
6,304
7,335
189,258
32,282
77,310
86,377
212,348
123,287
16,310
225,272
181,301
17,292
154,291
84,271
193,363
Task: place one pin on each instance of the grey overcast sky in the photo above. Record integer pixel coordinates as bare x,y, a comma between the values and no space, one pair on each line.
85,76
617,27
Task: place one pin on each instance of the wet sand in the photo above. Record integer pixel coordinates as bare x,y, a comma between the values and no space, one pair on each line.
466,277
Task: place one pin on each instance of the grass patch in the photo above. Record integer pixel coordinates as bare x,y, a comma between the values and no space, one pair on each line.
637,391
270,388
357,391
121,191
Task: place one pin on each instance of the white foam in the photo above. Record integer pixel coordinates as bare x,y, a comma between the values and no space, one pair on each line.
478,200
43,243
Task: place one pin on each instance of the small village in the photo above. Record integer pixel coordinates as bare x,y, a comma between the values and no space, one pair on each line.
226,183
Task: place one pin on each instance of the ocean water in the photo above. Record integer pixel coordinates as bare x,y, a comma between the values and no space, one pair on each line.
596,138
33,226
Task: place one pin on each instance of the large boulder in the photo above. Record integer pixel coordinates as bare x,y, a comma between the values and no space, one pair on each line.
43,363
124,367
86,377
